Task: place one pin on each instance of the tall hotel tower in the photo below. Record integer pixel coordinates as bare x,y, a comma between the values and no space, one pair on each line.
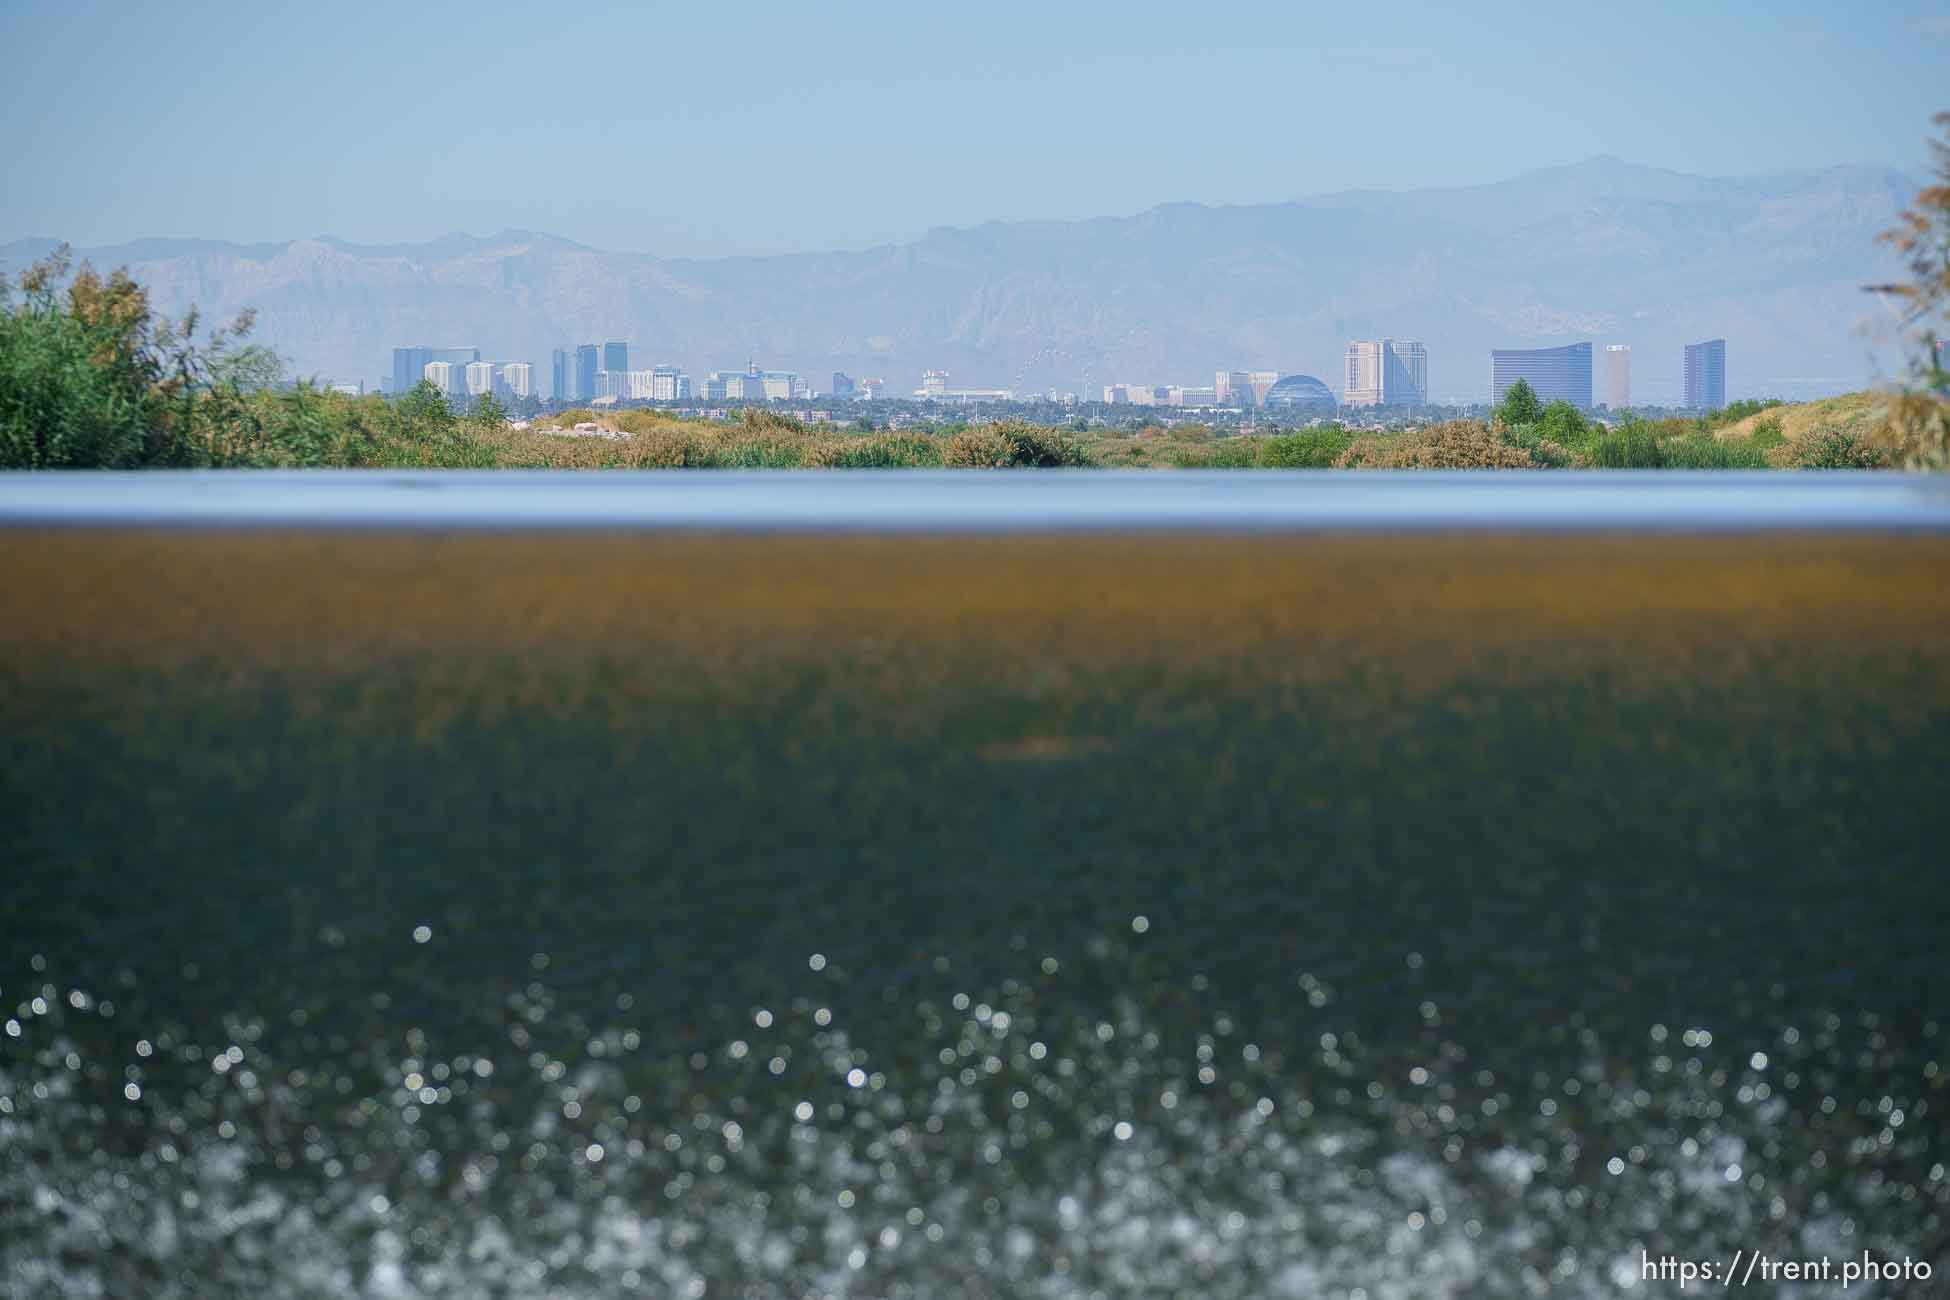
1386,372
1618,376
1554,374
1706,375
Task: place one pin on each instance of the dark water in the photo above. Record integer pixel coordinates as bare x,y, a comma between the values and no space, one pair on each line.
835,973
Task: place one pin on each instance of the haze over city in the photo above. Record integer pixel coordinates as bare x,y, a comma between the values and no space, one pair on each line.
1061,202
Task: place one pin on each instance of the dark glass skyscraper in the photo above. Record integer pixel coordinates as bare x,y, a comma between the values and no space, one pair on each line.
1554,374
408,365
562,376
1706,375
616,357
588,362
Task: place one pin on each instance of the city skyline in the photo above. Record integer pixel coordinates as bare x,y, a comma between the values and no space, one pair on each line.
1171,295
1384,373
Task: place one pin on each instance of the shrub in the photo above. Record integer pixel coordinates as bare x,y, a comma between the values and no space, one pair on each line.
1013,444
1546,452
1034,447
978,449
1519,406
1919,425
1629,446
1233,453
78,371
1308,449
759,446
1703,451
297,427
1459,444
1734,412
877,451
1565,425
760,420
421,431
1833,449
663,447
1767,434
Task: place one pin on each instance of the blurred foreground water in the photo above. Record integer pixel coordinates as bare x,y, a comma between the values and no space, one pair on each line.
537,914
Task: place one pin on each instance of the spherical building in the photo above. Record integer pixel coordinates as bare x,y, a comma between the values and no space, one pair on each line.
1301,395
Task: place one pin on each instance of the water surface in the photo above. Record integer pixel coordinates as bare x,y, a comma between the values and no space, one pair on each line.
1162,909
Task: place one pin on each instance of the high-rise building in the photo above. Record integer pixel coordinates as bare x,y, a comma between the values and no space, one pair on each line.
933,383
1554,374
669,384
1261,382
563,376
588,359
780,386
842,384
1618,376
1386,372
409,367
616,356
513,379
1706,375
1364,381
479,377
1408,373
441,375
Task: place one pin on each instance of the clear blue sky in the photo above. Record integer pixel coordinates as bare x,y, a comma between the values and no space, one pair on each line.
761,127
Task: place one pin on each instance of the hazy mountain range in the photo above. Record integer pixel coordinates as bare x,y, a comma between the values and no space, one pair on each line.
1602,250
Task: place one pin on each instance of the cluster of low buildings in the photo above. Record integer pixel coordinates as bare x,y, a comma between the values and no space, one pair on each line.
1376,373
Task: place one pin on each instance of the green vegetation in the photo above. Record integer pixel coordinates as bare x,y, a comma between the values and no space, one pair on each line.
1632,445
1519,406
1700,452
1312,449
1461,444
